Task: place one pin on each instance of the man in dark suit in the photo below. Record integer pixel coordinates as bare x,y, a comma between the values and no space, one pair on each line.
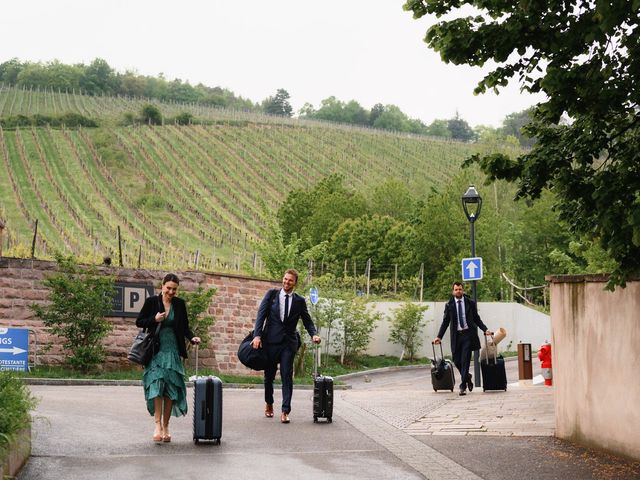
281,309
461,313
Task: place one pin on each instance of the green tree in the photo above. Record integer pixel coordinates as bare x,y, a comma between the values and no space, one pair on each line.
513,125
80,298
150,114
278,104
198,308
406,326
314,215
438,128
460,129
356,325
584,57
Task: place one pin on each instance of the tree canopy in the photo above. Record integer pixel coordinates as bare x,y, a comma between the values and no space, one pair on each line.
585,57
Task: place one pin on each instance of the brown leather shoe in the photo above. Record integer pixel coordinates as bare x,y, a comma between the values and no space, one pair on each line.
268,411
284,418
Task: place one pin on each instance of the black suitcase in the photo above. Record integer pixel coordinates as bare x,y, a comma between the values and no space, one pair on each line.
442,376
207,408
494,374
322,393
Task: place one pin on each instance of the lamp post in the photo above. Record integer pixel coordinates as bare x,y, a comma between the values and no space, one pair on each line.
472,204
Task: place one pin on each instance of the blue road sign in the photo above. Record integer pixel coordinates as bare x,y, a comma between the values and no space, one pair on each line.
14,349
471,269
313,295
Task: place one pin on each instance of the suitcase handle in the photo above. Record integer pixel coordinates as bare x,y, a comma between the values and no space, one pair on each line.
435,359
196,359
316,359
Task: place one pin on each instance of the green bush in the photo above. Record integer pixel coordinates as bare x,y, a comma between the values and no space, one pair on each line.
80,299
16,404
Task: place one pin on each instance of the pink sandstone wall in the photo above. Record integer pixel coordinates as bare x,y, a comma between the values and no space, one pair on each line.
596,360
234,307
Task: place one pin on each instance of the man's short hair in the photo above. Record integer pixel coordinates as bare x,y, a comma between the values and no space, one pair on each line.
458,284
293,272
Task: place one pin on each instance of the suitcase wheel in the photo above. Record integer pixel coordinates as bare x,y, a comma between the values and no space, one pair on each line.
484,389
315,419
329,420
452,390
435,389
196,441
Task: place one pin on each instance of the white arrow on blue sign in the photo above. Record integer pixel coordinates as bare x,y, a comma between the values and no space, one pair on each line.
14,349
472,269
313,295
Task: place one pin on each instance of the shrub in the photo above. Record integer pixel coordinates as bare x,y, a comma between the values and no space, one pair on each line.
80,298
197,307
405,328
355,327
16,404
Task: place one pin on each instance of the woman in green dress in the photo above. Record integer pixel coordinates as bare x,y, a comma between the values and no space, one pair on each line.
163,379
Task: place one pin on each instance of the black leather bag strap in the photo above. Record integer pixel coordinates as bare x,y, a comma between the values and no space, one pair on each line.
272,294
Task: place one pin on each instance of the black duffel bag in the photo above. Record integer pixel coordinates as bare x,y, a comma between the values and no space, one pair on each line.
253,358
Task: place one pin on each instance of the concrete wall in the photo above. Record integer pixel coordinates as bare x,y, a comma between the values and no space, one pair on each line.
596,362
523,324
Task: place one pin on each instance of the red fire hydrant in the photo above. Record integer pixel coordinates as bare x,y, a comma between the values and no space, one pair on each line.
544,355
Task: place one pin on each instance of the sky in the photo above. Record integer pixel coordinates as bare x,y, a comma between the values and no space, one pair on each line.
371,51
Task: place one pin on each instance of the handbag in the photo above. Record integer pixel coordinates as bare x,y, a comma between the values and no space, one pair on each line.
144,346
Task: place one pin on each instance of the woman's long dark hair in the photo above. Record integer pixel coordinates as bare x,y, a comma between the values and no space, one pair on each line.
171,277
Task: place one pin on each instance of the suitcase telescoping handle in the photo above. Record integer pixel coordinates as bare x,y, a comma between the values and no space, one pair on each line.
435,358
196,359
495,352
316,359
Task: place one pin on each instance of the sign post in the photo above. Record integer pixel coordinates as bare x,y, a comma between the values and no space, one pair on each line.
14,349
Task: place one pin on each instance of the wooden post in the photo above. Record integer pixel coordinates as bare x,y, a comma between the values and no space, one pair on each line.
421,280
368,275
33,242
119,246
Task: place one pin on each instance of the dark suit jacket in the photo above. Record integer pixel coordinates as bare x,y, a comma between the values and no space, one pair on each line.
153,305
450,318
278,331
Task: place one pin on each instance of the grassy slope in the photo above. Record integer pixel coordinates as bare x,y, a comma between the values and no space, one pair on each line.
175,191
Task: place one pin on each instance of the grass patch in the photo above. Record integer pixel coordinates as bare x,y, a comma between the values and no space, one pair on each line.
332,368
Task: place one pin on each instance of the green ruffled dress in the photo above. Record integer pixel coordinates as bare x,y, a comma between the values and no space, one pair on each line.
164,376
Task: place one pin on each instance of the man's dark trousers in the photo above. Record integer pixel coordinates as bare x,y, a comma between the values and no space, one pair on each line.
279,354
462,355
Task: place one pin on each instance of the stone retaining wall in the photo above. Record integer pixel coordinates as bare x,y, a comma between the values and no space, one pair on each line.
234,306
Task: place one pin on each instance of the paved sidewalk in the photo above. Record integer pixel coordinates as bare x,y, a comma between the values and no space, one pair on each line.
389,425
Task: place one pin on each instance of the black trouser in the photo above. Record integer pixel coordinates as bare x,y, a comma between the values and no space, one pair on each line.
282,354
462,355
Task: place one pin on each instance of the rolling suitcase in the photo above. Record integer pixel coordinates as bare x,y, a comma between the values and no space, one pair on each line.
322,393
494,374
207,407
442,376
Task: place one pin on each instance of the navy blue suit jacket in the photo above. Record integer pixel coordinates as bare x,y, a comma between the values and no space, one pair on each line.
450,318
278,331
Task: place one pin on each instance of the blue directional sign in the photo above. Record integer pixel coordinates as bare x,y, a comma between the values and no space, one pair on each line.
14,349
471,269
313,295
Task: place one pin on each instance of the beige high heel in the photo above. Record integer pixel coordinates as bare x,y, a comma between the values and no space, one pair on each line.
166,437
158,437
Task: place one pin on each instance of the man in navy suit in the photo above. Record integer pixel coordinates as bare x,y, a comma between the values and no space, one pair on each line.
281,309
461,313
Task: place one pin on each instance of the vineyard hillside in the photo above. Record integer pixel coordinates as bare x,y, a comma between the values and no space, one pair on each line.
180,195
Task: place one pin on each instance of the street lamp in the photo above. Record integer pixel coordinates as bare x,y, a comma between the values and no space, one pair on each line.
472,204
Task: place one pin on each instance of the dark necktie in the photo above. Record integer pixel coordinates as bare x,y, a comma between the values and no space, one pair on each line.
460,318
286,308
